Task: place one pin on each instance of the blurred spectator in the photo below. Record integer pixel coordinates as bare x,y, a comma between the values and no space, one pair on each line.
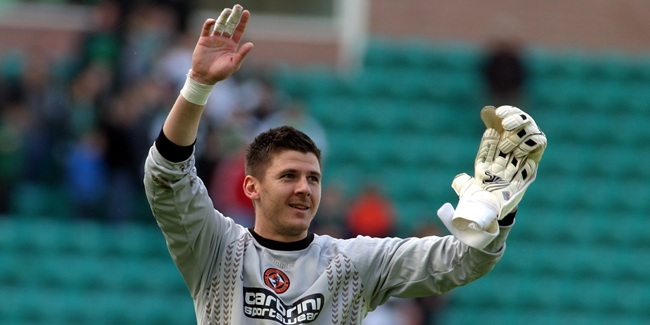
87,92
104,41
151,29
295,114
371,213
14,126
45,87
126,127
172,64
181,10
262,98
226,185
87,175
224,103
504,73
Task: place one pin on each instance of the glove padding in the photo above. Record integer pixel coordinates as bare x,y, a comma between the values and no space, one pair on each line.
505,165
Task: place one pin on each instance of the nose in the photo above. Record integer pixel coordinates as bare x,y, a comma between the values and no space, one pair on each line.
302,187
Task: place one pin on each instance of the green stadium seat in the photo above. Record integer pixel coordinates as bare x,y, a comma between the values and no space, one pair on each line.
391,83
565,158
10,233
336,112
570,64
439,118
635,265
90,238
360,148
42,235
524,292
381,116
39,200
628,229
315,81
9,272
610,65
546,258
639,74
137,241
351,176
556,189
419,54
383,52
67,271
590,295
628,129
161,276
462,315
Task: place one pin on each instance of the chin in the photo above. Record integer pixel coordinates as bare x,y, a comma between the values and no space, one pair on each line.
300,225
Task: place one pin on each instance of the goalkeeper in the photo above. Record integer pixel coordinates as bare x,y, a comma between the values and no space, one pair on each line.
278,272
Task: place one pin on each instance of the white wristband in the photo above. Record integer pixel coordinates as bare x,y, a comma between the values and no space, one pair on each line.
195,92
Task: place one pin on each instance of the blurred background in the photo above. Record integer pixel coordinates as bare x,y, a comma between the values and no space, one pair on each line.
391,91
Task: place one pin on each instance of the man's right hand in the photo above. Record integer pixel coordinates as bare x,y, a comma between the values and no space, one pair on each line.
218,53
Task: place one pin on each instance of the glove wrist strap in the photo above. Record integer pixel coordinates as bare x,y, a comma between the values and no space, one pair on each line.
476,238
471,213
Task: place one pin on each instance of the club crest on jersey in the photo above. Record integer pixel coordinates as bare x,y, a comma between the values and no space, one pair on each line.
277,280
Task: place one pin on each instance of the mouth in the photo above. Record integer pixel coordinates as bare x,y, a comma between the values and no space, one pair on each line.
299,206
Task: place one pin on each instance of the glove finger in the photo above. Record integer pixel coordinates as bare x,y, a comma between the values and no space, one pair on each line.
533,144
526,174
505,166
505,111
527,138
516,121
461,182
520,131
491,119
488,146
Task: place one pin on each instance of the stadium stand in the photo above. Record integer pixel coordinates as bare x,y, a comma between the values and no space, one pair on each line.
576,256
62,271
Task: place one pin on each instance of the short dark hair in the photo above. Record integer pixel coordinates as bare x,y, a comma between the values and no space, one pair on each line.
274,141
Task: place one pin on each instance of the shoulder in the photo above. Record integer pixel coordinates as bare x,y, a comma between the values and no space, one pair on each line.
360,247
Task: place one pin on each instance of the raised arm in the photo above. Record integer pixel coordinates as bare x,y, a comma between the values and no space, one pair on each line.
217,55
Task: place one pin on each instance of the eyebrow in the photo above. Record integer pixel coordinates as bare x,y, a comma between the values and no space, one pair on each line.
292,170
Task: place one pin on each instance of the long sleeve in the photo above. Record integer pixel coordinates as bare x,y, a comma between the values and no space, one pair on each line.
416,267
195,232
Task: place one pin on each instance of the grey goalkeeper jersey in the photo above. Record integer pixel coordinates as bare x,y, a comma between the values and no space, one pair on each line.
237,277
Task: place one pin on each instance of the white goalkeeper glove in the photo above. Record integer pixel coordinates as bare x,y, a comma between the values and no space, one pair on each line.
505,165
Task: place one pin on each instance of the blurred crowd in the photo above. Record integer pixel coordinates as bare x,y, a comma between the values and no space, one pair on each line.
82,124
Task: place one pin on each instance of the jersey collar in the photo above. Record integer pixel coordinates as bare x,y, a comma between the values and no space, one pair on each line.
283,246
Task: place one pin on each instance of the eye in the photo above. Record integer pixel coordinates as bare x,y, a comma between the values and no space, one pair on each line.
314,179
287,176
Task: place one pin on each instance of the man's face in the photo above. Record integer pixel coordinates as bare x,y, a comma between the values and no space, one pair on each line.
288,196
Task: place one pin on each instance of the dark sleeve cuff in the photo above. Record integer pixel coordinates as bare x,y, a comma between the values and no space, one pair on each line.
508,220
172,151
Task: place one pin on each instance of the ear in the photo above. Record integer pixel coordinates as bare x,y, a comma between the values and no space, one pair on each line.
251,188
